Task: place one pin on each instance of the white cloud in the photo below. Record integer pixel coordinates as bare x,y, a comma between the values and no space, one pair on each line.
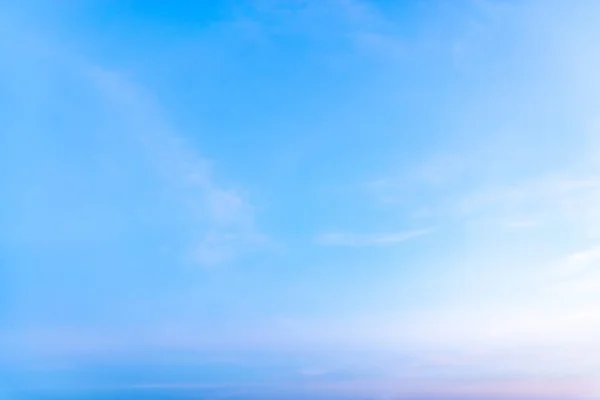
215,217
570,198
381,239
584,259
577,275
219,220
522,223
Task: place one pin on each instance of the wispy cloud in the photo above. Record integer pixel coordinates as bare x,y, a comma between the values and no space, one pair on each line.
219,220
579,262
380,239
507,387
356,24
213,219
576,276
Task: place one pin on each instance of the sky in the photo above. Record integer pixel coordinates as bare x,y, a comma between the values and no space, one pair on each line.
246,199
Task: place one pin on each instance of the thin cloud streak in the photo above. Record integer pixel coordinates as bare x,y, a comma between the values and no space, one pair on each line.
381,239
220,220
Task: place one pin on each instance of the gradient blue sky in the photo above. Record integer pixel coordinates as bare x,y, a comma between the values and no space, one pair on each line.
288,198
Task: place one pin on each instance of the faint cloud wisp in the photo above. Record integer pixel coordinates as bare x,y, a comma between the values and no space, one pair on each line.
382,239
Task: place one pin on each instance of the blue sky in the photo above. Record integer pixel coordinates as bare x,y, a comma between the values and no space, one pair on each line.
298,197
